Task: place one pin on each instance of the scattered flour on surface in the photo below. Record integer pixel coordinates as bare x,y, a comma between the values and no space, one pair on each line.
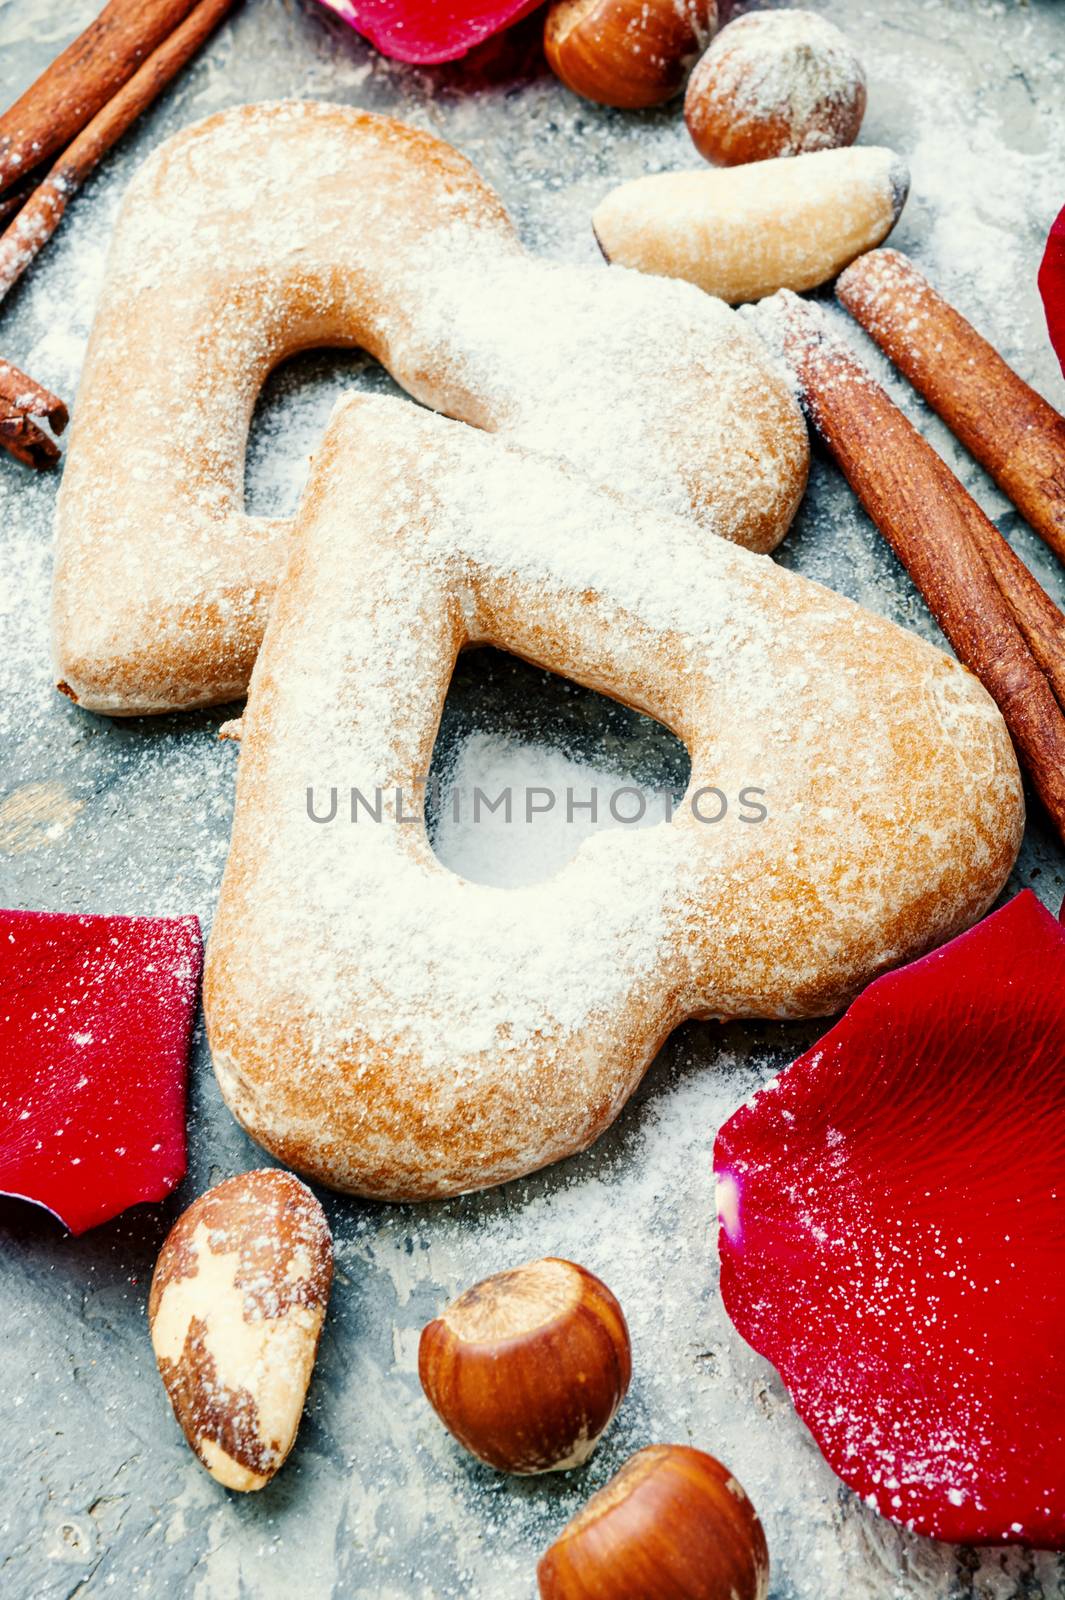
377,1500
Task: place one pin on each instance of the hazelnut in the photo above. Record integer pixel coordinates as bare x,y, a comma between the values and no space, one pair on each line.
775,83
527,1368
628,53
673,1524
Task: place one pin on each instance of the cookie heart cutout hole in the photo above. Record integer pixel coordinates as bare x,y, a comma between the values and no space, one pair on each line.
527,764
290,417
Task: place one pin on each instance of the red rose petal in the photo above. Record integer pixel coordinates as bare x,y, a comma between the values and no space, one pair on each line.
1052,285
95,1019
428,33
892,1237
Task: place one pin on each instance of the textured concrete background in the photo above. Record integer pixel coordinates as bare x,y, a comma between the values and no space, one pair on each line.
102,1495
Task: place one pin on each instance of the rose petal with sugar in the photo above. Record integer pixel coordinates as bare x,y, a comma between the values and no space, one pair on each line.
426,34
1052,285
892,1212
96,1015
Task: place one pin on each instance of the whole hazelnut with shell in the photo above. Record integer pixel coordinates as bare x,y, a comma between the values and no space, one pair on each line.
527,1368
626,53
775,83
673,1524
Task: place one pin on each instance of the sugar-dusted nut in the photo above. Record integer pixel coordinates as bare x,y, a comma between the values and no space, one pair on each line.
235,1311
744,232
527,1368
627,53
775,83
673,1524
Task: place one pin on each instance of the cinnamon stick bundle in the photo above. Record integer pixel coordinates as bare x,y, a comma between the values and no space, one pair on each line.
929,520
1011,430
82,80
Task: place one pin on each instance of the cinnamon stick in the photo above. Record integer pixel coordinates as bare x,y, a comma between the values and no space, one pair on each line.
24,394
82,80
1035,613
927,517
15,198
43,211
1011,430
23,439
22,399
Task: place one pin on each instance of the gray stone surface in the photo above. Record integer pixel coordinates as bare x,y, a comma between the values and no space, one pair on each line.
102,1496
